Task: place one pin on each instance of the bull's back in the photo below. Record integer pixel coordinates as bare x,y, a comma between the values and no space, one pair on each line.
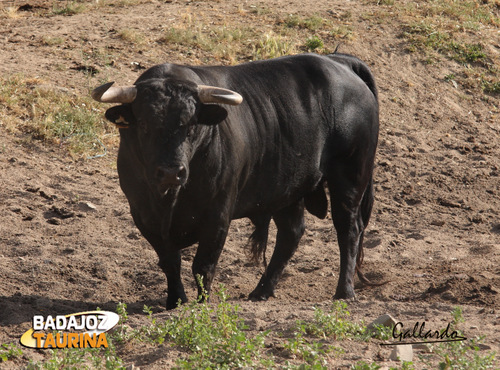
277,136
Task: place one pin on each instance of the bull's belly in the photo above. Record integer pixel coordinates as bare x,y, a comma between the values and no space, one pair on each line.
270,200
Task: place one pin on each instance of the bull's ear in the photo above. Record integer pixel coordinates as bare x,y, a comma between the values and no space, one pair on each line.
121,116
211,114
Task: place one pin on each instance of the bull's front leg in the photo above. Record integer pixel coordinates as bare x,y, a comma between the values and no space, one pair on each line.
170,263
169,258
212,241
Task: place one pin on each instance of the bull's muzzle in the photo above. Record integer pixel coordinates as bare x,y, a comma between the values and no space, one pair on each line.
170,177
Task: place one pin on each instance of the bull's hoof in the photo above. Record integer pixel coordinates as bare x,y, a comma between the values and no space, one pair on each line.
259,294
347,294
351,299
172,304
257,298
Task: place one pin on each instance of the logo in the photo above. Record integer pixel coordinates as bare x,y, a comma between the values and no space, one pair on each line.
77,330
423,336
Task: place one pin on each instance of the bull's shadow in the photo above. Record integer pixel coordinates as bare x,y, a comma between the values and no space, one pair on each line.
17,309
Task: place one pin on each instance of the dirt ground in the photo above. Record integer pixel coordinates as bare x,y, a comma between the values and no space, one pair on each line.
68,243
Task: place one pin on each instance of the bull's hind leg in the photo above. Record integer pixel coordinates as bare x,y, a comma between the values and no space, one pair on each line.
290,224
350,207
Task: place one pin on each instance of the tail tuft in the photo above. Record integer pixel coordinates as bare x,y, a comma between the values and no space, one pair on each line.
258,240
366,210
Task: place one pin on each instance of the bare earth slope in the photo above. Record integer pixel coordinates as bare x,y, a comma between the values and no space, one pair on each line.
68,243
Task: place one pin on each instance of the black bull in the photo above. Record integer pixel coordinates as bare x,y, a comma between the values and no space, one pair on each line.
194,157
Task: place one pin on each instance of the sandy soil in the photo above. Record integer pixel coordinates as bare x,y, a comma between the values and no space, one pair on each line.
68,243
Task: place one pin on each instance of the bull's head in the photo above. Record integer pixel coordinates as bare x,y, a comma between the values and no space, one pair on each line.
163,115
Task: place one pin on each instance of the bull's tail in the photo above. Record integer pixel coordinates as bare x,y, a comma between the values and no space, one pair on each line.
366,210
258,240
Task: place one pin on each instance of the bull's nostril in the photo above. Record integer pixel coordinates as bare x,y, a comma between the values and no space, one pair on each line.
171,176
181,175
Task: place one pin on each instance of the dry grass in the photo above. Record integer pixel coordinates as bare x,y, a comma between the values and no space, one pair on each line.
54,115
11,12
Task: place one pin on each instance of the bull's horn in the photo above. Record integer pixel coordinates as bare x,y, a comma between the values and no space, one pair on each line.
211,94
108,94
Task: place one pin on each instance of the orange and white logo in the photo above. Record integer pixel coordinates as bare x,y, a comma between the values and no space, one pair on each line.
77,330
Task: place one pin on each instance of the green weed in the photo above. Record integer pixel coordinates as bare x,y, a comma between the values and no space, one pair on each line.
333,323
313,43
313,23
362,365
342,32
9,351
215,337
492,87
426,37
313,353
77,358
70,8
450,77
441,28
460,11
423,35
466,53
463,354
381,332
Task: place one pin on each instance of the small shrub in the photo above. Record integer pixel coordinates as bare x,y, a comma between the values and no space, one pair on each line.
362,365
313,353
314,43
313,23
132,36
215,336
342,32
272,46
492,87
466,53
381,332
9,351
71,8
52,41
333,323
463,354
